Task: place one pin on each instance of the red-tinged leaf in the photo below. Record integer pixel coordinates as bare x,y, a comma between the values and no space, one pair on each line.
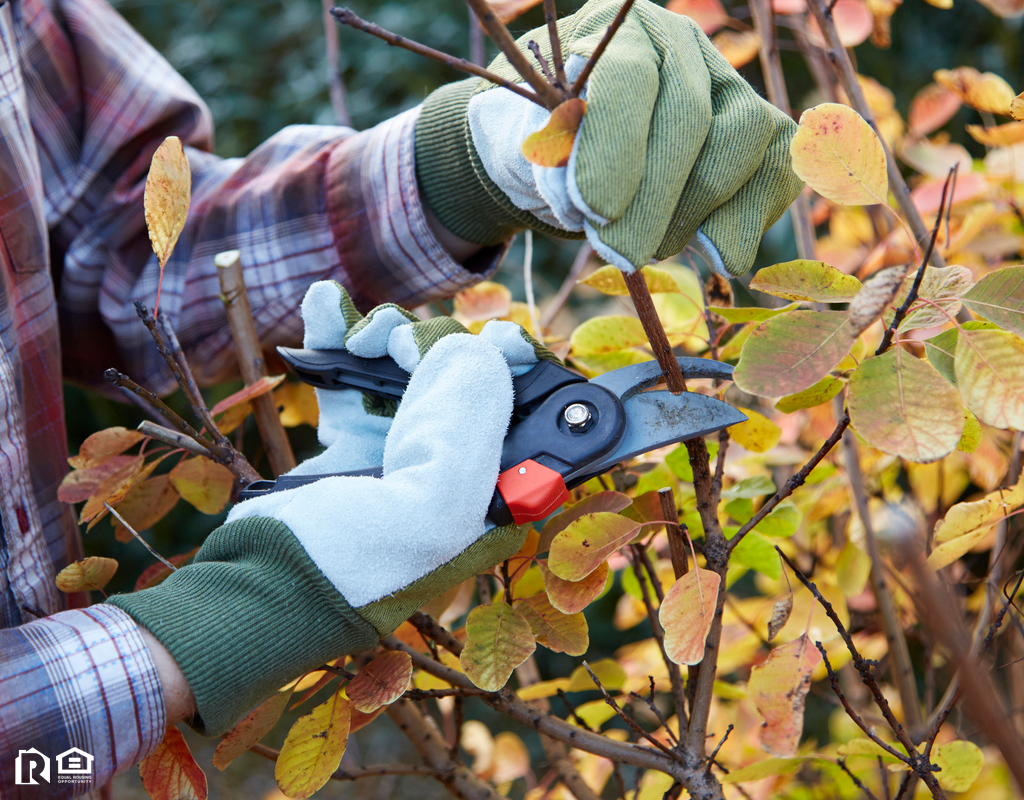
989,368
563,633
646,507
203,483
792,352
79,484
323,679
839,155
381,682
487,300
739,48
778,688
931,108
145,505
170,772
789,6
314,747
806,280
601,501
103,445
984,91
709,14
928,195
585,544
508,10
265,384
687,614
166,200
520,563
853,21
571,597
942,287
999,297
901,405
158,573
361,720
90,573
498,640
257,724
111,490
551,146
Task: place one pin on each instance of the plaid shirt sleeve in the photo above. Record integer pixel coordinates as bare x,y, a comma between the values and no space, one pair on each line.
79,679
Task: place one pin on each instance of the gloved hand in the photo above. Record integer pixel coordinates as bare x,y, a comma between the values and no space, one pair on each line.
673,139
299,577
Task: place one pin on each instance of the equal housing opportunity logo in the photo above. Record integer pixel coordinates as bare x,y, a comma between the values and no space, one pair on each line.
32,768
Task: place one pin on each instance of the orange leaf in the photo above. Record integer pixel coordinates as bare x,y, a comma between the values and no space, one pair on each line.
170,772
778,688
551,146
112,490
145,505
314,747
103,445
167,196
571,597
257,724
508,10
253,390
361,720
931,108
687,613
739,48
984,91
79,484
709,14
563,633
93,572
381,682
203,483
158,573
487,300
999,136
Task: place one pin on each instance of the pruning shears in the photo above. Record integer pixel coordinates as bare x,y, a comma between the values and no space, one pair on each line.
564,429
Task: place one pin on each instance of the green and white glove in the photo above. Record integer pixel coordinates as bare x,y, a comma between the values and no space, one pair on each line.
673,140
299,577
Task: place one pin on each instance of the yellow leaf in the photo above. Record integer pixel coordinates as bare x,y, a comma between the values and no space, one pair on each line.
93,572
778,688
563,633
487,300
1017,107
606,335
687,614
738,316
381,682
965,517
257,724
511,759
852,569
170,772
586,542
823,391
989,369
314,747
609,280
838,155
145,505
758,434
970,440
608,670
167,196
498,640
984,91
203,483
739,48
298,405
103,445
999,136
113,489
551,146
960,763
571,597
806,280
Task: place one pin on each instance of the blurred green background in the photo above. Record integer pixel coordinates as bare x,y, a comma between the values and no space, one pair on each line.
261,66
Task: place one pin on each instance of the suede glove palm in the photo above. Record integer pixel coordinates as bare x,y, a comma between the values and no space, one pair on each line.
299,577
673,139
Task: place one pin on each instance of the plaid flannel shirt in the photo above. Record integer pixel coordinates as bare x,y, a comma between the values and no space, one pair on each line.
84,102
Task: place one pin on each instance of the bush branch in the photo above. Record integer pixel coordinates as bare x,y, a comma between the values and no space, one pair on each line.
581,79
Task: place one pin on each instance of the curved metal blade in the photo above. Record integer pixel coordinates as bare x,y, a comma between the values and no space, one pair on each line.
627,381
655,419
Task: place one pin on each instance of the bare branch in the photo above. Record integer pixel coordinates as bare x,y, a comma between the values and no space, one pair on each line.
372,771
168,413
174,439
134,533
856,781
581,79
334,82
551,19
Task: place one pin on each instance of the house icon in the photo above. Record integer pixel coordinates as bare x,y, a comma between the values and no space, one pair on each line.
74,762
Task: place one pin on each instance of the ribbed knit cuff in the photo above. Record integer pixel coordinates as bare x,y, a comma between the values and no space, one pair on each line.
251,613
453,180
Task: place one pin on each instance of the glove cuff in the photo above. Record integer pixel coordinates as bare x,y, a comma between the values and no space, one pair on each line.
452,179
251,613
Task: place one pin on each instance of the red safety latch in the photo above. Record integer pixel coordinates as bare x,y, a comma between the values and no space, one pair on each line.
531,491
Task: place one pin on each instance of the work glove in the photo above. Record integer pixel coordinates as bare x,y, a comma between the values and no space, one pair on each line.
673,139
299,577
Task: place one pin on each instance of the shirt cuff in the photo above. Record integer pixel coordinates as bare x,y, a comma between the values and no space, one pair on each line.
83,680
380,227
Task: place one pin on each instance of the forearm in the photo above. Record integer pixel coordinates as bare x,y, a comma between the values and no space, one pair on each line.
179,702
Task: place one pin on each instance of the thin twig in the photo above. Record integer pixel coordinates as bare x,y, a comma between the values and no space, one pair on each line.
711,758
552,308
531,305
145,544
334,82
551,20
173,438
545,68
371,771
856,781
122,380
581,79
346,17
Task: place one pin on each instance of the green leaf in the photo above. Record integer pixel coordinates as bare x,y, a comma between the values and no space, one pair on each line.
758,553
970,440
757,486
823,391
782,522
750,313
960,762
740,509
990,373
941,349
600,335
806,280
679,460
498,640
999,297
792,352
901,405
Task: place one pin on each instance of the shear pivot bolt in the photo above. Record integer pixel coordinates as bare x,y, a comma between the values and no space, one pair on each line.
577,415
